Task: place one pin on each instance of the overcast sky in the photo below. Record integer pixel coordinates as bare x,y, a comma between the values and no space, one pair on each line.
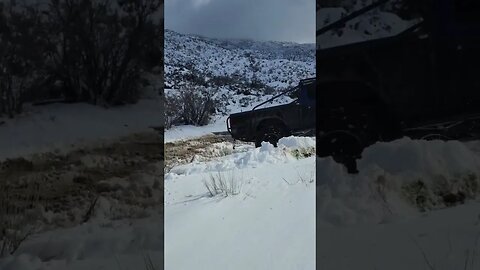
278,20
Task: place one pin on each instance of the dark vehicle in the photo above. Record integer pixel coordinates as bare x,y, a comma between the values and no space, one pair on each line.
423,83
272,123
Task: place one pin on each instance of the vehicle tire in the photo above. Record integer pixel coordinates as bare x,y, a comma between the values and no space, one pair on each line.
270,133
344,147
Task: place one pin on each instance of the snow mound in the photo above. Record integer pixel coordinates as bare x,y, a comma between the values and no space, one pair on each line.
393,177
297,142
406,156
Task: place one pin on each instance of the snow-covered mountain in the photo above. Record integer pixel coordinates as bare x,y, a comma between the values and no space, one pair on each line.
236,63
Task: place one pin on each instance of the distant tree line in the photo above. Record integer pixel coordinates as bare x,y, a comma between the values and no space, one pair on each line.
80,50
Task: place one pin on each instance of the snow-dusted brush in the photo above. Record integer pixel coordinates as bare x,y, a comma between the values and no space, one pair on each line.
19,216
224,184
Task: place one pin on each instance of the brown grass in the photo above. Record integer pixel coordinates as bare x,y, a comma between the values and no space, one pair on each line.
183,152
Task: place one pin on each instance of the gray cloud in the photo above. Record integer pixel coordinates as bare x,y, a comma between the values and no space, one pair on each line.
279,20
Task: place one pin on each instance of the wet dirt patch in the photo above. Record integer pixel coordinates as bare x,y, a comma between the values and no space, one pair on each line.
201,149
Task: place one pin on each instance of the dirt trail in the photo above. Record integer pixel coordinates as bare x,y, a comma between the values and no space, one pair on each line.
122,179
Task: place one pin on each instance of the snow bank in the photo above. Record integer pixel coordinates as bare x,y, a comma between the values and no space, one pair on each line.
297,142
377,194
406,156
361,229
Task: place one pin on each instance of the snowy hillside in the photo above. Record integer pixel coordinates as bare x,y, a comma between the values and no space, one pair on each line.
215,62
237,74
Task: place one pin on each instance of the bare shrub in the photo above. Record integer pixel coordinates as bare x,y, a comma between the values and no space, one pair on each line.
98,51
172,110
190,106
21,54
83,51
222,184
197,106
306,180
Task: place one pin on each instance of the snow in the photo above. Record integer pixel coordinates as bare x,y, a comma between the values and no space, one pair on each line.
67,126
446,237
184,132
277,64
201,232
270,224
421,157
280,65
372,25
393,215
363,224
101,243
296,142
264,217
95,245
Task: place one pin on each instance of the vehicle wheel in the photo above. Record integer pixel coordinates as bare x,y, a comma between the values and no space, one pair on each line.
271,133
343,146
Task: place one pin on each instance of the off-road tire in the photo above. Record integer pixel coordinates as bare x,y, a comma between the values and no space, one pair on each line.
270,133
344,147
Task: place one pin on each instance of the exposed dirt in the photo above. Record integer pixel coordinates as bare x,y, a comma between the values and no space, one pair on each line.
182,152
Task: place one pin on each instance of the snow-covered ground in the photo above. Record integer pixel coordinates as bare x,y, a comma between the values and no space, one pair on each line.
99,244
70,146
269,224
374,220
66,126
